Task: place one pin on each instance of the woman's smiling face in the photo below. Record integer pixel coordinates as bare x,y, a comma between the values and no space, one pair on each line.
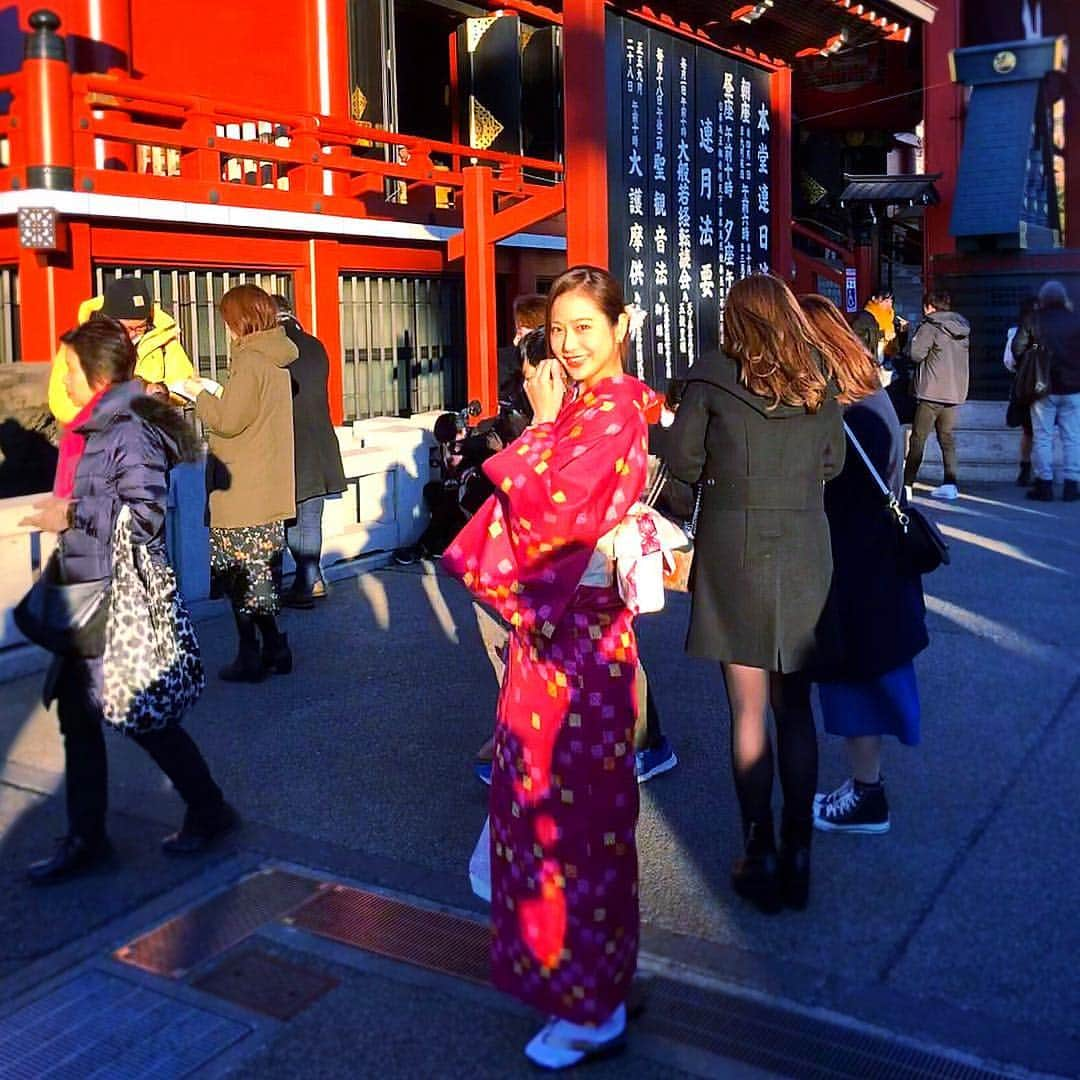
583,340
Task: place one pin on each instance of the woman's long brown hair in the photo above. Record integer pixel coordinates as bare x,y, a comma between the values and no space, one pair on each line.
766,332
846,360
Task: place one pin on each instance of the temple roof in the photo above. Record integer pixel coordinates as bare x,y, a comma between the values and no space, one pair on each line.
913,189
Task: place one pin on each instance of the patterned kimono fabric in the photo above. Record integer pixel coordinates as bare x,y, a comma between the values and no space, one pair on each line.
564,799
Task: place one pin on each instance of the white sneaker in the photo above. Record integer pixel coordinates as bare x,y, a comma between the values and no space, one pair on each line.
560,1044
946,491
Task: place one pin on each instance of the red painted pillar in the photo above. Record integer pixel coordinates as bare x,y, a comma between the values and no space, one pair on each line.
585,119
46,111
1070,14
51,287
108,52
480,302
780,151
943,113
318,307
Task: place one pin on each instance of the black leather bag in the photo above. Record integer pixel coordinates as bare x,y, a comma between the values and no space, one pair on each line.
920,547
1032,382
68,620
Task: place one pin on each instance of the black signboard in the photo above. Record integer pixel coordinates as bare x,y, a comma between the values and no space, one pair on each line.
689,176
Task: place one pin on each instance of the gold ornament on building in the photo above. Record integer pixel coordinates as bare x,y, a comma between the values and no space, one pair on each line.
358,103
484,129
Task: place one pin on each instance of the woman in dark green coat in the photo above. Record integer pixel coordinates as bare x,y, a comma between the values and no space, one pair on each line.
761,429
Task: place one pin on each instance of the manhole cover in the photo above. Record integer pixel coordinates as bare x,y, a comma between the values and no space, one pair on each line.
212,927
429,939
100,1025
256,979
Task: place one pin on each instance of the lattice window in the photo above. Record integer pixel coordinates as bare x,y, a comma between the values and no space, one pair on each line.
9,315
402,344
191,297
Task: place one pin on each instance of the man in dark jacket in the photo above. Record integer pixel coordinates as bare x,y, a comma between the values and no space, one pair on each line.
317,456
1057,328
939,357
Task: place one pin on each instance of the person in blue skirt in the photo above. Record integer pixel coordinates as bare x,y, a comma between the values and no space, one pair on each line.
872,691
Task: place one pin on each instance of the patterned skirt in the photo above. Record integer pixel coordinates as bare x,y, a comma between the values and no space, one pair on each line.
564,807
245,566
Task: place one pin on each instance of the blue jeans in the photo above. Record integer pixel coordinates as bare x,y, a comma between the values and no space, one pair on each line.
304,538
1062,411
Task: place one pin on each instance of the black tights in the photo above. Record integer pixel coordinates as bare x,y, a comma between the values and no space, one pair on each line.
750,693
247,624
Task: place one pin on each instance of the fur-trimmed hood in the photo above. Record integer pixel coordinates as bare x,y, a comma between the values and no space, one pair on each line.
179,435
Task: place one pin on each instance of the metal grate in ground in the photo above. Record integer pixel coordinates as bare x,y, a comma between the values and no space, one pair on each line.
102,1026
210,928
429,939
790,1043
257,980
771,1038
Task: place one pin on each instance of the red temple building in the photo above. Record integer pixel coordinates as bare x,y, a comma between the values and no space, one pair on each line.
403,168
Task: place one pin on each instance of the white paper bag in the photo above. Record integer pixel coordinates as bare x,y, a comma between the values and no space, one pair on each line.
480,864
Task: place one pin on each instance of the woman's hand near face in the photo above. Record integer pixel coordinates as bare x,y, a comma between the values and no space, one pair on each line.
51,516
546,390
193,388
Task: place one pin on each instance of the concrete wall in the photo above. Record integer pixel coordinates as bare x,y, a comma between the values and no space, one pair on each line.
386,464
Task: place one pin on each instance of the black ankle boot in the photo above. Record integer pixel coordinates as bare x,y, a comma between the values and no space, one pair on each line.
1023,478
1071,491
794,861
248,666
277,657
755,875
1041,491
74,855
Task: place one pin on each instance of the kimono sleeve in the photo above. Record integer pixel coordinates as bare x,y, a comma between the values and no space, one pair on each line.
558,489
569,487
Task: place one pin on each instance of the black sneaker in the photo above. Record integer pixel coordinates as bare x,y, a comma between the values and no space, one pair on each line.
854,808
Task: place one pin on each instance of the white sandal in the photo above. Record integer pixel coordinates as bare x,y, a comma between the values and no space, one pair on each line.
561,1044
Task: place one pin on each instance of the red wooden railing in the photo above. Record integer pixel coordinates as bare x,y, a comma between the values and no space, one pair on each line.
810,268
182,146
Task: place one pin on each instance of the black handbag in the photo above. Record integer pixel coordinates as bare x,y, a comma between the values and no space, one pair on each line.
66,619
920,547
1032,382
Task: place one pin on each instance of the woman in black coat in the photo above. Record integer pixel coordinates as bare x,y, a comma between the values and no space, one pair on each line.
870,691
317,457
760,428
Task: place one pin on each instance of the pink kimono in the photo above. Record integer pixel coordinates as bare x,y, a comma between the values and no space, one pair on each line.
564,798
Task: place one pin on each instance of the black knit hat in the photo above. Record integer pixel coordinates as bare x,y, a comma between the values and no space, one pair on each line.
128,298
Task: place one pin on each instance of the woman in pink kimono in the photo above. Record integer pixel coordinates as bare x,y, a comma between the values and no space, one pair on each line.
564,800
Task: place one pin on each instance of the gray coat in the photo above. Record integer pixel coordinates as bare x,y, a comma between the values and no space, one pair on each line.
762,557
939,354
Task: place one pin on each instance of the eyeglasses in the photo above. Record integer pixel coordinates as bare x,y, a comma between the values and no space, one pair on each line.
136,329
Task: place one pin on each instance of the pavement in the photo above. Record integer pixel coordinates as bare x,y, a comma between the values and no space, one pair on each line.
955,931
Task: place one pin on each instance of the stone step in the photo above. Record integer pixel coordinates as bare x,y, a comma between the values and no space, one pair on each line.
987,449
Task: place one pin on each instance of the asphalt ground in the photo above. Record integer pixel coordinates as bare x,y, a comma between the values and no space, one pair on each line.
958,927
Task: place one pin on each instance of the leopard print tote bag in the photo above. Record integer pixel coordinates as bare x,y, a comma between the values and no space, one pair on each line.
153,671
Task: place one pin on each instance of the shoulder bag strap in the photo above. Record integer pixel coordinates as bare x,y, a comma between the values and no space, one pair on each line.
893,501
